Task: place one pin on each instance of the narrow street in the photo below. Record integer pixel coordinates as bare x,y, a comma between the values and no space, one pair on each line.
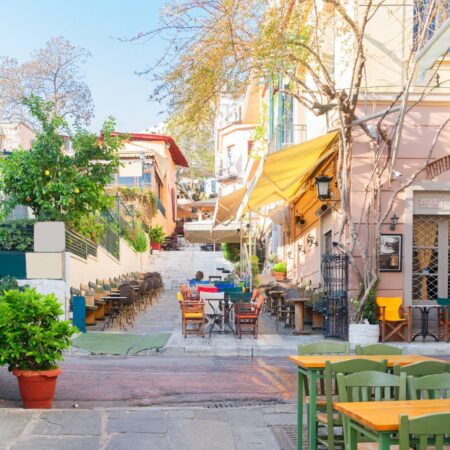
160,380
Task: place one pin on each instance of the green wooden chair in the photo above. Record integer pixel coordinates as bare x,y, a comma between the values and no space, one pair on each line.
429,387
379,349
330,419
420,369
321,348
444,319
369,386
424,432
324,348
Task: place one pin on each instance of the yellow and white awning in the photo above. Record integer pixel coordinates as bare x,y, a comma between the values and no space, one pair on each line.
227,206
283,173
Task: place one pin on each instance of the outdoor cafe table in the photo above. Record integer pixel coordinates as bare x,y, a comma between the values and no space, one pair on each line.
378,420
311,366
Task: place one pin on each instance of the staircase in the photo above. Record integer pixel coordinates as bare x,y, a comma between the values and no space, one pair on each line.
178,266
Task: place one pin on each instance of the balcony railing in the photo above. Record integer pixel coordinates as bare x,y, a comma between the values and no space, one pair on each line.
79,245
232,171
285,135
160,207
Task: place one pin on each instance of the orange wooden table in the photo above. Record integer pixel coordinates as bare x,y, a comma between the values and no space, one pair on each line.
311,366
378,420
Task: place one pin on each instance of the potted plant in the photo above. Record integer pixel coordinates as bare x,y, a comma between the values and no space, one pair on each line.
157,237
32,339
279,270
365,330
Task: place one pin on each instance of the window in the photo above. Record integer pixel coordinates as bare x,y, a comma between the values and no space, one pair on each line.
421,13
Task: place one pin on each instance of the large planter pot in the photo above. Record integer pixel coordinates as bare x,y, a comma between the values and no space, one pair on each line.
156,246
279,275
37,388
363,333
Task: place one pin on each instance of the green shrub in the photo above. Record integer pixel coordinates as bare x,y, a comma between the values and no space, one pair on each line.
17,235
7,283
280,267
32,337
231,252
157,234
140,241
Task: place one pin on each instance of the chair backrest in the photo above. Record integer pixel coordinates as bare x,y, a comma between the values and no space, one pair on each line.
429,387
371,385
324,348
180,296
444,302
419,430
391,307
378,349
422,368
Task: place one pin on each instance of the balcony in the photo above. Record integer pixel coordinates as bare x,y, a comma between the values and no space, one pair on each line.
229,172
285,135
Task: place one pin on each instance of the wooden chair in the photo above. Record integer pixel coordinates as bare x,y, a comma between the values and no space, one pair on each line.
395,320
378,349
329,418
192,313
321,348
422,368
368,386
444,319
246,315
429,387
425,432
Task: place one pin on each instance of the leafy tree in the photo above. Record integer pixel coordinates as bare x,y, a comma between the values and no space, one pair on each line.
56,185
52,73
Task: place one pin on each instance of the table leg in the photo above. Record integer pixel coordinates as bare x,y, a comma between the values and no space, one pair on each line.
300,384
385,441
299,319
352,437
312,425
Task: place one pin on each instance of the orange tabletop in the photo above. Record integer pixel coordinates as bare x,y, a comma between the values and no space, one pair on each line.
384,416
318,361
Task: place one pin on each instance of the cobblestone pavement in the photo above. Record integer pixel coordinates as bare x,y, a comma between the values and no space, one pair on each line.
186,428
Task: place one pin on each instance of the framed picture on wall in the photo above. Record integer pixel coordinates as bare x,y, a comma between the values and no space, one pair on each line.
391,253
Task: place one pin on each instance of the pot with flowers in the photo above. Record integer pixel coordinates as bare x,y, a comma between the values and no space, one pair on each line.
279,270
157,237
365,329
32,339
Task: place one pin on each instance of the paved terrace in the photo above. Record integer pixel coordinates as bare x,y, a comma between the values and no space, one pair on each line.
165,317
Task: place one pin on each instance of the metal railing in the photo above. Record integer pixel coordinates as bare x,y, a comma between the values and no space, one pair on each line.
79,245
110,239
285,135
16,236
160,207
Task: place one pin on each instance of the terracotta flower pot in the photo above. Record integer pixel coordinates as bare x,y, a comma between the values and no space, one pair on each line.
279,275
37,388
156,246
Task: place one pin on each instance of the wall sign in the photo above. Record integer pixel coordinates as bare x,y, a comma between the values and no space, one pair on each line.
391,253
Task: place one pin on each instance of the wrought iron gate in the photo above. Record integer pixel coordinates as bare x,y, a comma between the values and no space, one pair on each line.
335,277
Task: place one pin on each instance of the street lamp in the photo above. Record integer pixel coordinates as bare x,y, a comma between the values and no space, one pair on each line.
394,222
323,187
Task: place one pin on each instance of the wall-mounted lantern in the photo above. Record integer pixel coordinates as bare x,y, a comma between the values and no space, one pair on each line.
394,222
323,187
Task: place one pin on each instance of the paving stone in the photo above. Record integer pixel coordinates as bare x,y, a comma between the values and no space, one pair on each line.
280,419
60,443
11,425
148,414
137,441
251,417
82,422
182,414
145,421
200,435
254,438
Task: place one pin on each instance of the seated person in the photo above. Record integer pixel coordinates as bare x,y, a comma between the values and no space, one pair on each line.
199,276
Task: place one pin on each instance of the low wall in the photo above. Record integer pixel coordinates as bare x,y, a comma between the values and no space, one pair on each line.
79,270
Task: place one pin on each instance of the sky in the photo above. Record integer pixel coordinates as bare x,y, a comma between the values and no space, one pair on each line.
96,25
